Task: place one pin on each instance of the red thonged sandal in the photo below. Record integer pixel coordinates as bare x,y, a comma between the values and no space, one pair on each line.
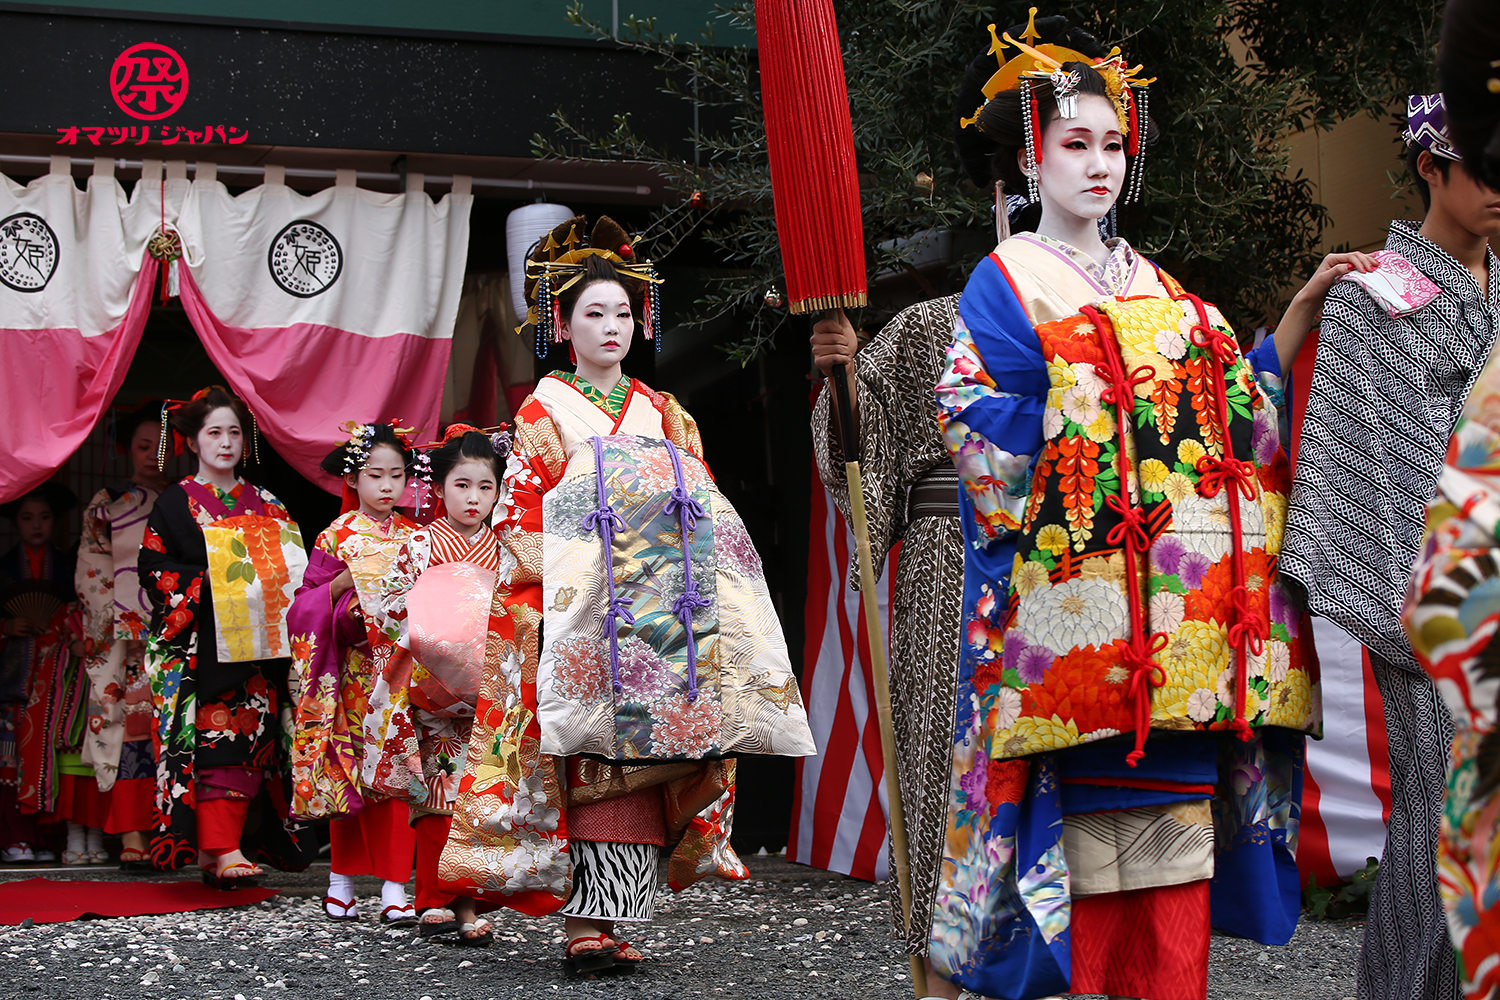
629,957
585,955
346,908
398,916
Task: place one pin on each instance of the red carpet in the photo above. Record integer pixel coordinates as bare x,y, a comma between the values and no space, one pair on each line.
47,901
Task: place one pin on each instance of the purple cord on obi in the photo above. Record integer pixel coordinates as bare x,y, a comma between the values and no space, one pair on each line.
688,511
608,522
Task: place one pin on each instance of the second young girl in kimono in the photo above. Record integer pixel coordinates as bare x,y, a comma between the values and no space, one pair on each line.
118,612
220,560
334,643
633,647
435,606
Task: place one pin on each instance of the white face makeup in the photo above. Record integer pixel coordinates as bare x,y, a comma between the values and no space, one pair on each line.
469,492
220,442
1083,163
600,329
380,483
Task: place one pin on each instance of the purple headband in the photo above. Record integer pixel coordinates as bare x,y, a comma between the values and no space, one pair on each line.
1427,125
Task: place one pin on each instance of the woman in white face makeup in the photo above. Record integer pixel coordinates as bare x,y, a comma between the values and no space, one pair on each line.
633,649
220,561
1126,640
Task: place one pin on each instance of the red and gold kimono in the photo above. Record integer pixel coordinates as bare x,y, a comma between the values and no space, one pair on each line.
335,647
663,658
434,603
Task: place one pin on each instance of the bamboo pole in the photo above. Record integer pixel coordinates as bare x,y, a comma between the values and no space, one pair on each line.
900,853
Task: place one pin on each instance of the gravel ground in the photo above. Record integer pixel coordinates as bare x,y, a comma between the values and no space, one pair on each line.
789,931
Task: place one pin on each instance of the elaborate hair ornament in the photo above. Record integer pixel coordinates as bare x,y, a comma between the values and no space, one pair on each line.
362,439
555,263
1043,64
1065,91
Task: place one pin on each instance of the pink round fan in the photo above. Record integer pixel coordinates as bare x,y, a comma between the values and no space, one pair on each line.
448,613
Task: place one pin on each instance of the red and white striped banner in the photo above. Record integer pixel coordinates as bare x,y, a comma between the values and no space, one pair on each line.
1346,794
839,801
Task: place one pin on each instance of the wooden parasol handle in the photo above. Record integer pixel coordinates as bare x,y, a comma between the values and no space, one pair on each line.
875,634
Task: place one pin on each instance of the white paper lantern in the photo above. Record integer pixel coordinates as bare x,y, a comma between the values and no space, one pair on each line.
524,227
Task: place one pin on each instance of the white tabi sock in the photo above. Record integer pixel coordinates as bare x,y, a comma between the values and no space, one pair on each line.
341,886
393,894
75,837
95,840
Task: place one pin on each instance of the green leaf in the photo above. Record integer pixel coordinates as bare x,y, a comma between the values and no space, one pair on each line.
238,548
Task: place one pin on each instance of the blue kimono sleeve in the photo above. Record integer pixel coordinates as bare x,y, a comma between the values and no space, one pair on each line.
991,398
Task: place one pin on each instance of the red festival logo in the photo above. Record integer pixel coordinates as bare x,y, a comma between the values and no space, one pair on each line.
149,81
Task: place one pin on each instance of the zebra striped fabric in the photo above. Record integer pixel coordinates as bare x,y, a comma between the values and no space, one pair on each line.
613,881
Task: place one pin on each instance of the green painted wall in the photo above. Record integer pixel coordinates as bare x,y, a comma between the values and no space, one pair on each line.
537,18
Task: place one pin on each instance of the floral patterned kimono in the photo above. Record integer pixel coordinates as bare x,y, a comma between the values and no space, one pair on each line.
416,730
333,659
220,570
1124,495
49,720
632,625
118,612
1452,612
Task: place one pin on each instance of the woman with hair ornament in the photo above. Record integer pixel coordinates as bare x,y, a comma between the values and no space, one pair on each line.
633,648
1131,671
911,500
220,561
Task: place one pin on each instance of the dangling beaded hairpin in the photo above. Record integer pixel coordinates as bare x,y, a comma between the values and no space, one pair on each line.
1136,145
1032,127
254,433
161,446
544,314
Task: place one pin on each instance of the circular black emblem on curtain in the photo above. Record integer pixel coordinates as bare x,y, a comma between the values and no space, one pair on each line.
305,259
28,252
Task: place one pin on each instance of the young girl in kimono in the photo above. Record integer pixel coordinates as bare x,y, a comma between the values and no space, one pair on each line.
334,640
633,646
1133,688
117,614
434,606
220,561
43,691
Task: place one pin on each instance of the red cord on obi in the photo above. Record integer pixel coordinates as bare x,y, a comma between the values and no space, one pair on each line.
1239,475
1141,651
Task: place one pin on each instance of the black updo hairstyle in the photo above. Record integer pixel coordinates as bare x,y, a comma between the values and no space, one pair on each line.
469,445
989,147
337,460
188,418
130,421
